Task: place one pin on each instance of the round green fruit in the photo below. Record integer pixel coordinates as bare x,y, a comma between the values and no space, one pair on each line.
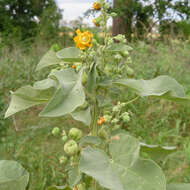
102,133
64,138
71,148
55,131
75,134
63,160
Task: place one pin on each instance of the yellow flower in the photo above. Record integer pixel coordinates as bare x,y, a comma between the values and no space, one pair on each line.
96,6
83,39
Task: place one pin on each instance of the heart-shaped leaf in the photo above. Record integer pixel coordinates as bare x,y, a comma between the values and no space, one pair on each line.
48,59
95,163
28,96
12,176
135,173
156,152
83,116
68,96
162,87
71,54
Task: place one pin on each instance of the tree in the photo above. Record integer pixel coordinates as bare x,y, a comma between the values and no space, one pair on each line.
131,14
21,18
123,23
141,15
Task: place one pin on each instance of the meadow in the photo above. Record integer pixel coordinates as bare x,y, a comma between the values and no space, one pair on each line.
27,138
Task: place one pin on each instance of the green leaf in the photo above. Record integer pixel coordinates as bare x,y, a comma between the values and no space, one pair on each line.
95,163
28,96
54,187
162,87
118,47
48,59
180,186
141,174
125,150
45,84
156,152
68,96
91,83
74,177
83,116
12,176
94,140
71,54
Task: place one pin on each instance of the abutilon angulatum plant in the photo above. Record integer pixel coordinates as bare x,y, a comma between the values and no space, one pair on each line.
103,155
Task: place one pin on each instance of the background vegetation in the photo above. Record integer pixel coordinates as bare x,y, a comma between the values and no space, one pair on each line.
162,50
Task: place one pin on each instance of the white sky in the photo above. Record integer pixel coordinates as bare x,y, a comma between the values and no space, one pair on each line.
75,8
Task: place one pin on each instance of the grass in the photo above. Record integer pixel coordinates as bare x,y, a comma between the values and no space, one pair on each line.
27,138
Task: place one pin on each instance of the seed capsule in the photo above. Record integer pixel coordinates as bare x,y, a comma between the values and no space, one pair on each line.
75,134
71,148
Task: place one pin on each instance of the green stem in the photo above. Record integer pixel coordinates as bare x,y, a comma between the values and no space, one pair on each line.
129,102
94,119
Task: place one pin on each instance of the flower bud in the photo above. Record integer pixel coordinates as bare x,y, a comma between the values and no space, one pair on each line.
118,57
129,60
115,109
78,66
63,133
102,133
71,148
96,23
55,48
107,5
64,138
125,53
113,14
130,71
55,131
103,119
75,134
110,41
74,66
108,118
100,122
125,117
114,121
63,160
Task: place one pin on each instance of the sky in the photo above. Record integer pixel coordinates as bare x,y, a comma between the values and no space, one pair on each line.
75,8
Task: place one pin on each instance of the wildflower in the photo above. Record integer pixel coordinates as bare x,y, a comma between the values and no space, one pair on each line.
100,122
103,119
96,6
74,66
83,39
